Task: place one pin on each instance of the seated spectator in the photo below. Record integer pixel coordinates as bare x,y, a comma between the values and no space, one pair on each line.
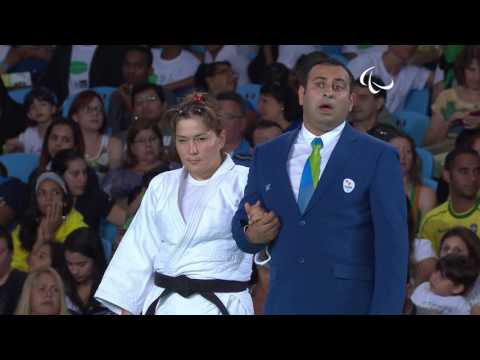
444,294
92,202
46,254
462,241
462,171
215,78
85,265
393,65
231,54
11,280
40,107
457,108
144,153
13,200
265,131
278,103
50,217
369,109
12,116
233,114
136,69
76,68
42,294
174,68
102,152
266,55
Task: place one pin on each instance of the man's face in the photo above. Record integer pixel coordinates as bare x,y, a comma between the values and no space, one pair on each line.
464,176
148,105
262,135
326,99
223,80
366,106
233,120
135,68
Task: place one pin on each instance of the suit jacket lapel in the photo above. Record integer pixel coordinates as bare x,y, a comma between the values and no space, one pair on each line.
340,155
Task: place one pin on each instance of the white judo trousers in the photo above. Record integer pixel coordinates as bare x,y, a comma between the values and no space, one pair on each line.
159,240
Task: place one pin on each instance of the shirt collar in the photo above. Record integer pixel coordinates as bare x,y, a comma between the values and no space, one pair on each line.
327,138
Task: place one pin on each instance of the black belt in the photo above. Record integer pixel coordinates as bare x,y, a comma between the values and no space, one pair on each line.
187,287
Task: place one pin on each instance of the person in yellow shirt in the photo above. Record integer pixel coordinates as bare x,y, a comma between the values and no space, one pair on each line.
462,173
51,217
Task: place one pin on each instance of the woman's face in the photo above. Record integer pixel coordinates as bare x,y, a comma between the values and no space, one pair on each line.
61,138
406,153
90,117
40,257
270,109
472,75
199,147
454,245
45,296
146,147
81,267
48,194
76,176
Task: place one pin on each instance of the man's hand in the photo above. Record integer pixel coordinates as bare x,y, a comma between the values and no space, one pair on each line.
263,226
125,91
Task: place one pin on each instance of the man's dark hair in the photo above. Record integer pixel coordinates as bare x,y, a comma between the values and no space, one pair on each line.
5,234
233,96
144,50
382,92
467,138
40,94
318,58
3,170
452,156
459,269
144,87
266,124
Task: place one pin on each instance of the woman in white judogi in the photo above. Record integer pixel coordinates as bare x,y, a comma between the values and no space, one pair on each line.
178,255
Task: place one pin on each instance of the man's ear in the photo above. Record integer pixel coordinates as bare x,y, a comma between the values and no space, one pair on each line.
446,176
301,93
458,289
380,102
353,101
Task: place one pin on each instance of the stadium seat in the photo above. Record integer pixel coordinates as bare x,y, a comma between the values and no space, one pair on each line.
418,101
19,95
412,123
426,159
20,165
250,92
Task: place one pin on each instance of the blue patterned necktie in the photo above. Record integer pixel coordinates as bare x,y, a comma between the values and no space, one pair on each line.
310,175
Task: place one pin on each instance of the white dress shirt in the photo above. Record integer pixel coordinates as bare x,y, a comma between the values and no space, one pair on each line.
302,149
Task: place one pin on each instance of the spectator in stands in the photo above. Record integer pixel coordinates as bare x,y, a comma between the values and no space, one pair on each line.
352,51
75,68
46,254
103,152
462,173
40,107
278,103
231,54
267,54
85,265
144,153
12,116
233,114
458,108
50,217
13,200
174,68
393,65
369,109
136,69
42,294
445,292
11,280
92,202
215,78
265,131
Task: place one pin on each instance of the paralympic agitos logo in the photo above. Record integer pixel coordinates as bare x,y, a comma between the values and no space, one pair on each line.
370,84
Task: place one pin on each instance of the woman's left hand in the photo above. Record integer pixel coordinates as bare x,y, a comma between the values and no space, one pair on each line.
53,219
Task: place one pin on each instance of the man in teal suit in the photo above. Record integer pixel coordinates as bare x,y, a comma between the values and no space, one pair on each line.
332,208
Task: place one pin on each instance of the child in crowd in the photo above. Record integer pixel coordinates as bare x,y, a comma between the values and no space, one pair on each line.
41,107
454,276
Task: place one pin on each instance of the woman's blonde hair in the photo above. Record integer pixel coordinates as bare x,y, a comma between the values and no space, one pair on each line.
24,304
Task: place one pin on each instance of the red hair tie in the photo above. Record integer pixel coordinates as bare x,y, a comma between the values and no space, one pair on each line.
198,98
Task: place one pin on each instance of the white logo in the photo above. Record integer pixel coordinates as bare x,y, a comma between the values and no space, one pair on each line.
267,188
348,185
369,71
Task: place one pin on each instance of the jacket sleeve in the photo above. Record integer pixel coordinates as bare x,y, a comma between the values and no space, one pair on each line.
240,218
389,216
